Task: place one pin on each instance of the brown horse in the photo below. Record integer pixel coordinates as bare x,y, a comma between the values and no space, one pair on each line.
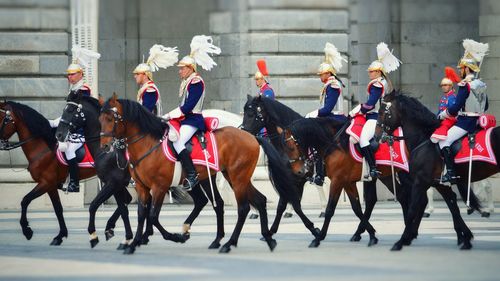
238,154
329,138
38,143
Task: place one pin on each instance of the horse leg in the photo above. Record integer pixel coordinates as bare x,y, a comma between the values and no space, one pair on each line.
122,195
58,209
464,234
294,200
329,211
352,193
102,196
200,201
370,196
143,200
36,192
219,212
122,201
243,209
158,195
259,202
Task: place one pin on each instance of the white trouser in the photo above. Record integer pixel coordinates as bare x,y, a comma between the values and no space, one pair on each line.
69,148
454,133
185,134
368,132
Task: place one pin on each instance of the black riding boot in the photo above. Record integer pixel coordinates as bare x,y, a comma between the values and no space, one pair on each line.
449,161
74,177
319,179
191,179
370,158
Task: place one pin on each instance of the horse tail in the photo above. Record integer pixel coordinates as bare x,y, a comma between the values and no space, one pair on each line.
280,174
474,202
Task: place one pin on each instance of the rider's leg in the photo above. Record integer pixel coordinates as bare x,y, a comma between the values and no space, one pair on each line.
185,134
364,141
74,177
454,134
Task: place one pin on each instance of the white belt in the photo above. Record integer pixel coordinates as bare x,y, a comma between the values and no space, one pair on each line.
470,114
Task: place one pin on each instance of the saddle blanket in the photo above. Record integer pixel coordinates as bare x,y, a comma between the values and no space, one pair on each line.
382,156
87,161
482,150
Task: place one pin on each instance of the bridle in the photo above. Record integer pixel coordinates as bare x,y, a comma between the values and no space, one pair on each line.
388,130
79,113
301,156
5,145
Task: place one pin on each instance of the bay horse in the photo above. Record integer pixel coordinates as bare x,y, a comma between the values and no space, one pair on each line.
238,153
36,138
426,165
113,169
329,138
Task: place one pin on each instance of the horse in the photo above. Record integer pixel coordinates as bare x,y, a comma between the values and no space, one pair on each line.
39,145
418,124
238,153
112,168
328,137
259,113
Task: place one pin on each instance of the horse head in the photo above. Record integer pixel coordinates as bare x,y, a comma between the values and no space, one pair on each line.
389,116
73,117
296,154
253,115
7,121
111,120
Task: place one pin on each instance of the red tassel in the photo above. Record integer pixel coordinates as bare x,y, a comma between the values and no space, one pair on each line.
450,73
261,65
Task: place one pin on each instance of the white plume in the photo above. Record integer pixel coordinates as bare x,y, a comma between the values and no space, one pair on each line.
83,56
333,56
201,48
475,49
386,57
162,57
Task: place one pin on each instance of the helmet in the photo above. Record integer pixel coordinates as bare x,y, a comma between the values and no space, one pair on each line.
325,68
187,61
446,81
144,68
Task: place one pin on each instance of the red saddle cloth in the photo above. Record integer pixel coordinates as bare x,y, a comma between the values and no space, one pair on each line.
482,150
197,153
382,156
87,161
357,123
442,132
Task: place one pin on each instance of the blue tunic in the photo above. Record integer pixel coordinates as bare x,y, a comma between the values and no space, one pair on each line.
374,95
195,91
331,97
468,123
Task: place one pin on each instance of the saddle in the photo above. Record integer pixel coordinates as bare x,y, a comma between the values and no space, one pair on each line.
83,157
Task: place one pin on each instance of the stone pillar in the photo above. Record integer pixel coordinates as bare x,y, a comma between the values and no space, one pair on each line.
489,32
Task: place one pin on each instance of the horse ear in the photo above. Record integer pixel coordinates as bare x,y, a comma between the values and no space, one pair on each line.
249,97
100,98
114,97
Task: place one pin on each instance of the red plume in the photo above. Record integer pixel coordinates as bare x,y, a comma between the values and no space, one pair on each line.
261,65
450,73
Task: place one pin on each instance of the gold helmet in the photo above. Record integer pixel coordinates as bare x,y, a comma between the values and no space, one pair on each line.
201,48
446,82
159,57
386,61
81,59
333,60
473,55
325,68
187,61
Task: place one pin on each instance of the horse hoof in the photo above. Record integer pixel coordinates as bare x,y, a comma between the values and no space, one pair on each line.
129,250
373,241
122,246
470,211
214,245
397,247
322,215
28,232
253,216
485,214
355,238
94,242
460,240
262,239
466,246
177,238
56,241
287,215
407,243
186,236
144,241
110,233
315,243
272,244
316,232
225,249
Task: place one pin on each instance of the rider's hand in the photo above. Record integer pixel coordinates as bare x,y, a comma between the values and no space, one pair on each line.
355,110
443,115
166,117
312,114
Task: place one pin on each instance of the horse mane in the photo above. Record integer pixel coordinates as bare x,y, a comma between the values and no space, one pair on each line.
147,122
317,133
282,114
36,123
93,101
418,113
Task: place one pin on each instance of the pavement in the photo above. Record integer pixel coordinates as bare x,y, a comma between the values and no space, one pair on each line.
433,256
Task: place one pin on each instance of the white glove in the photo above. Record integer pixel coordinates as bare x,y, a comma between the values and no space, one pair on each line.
166,117
355,110
54,123
312,114
444,114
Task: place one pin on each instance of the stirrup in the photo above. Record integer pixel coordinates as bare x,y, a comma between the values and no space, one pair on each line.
72,187
318,180
448,178
189,183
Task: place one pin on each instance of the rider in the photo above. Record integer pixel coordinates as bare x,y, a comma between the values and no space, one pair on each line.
81,59
467,107
378,86
265,89
330,98
148,94
192,93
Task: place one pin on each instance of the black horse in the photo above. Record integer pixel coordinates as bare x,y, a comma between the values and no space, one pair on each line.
259,113
418,123
113,169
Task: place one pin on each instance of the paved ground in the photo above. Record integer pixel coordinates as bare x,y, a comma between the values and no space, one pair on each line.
434,256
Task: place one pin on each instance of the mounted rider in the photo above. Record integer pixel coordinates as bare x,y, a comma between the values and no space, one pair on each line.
330,98
149,94
192,94
81,59
467,107
262,82
379,85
